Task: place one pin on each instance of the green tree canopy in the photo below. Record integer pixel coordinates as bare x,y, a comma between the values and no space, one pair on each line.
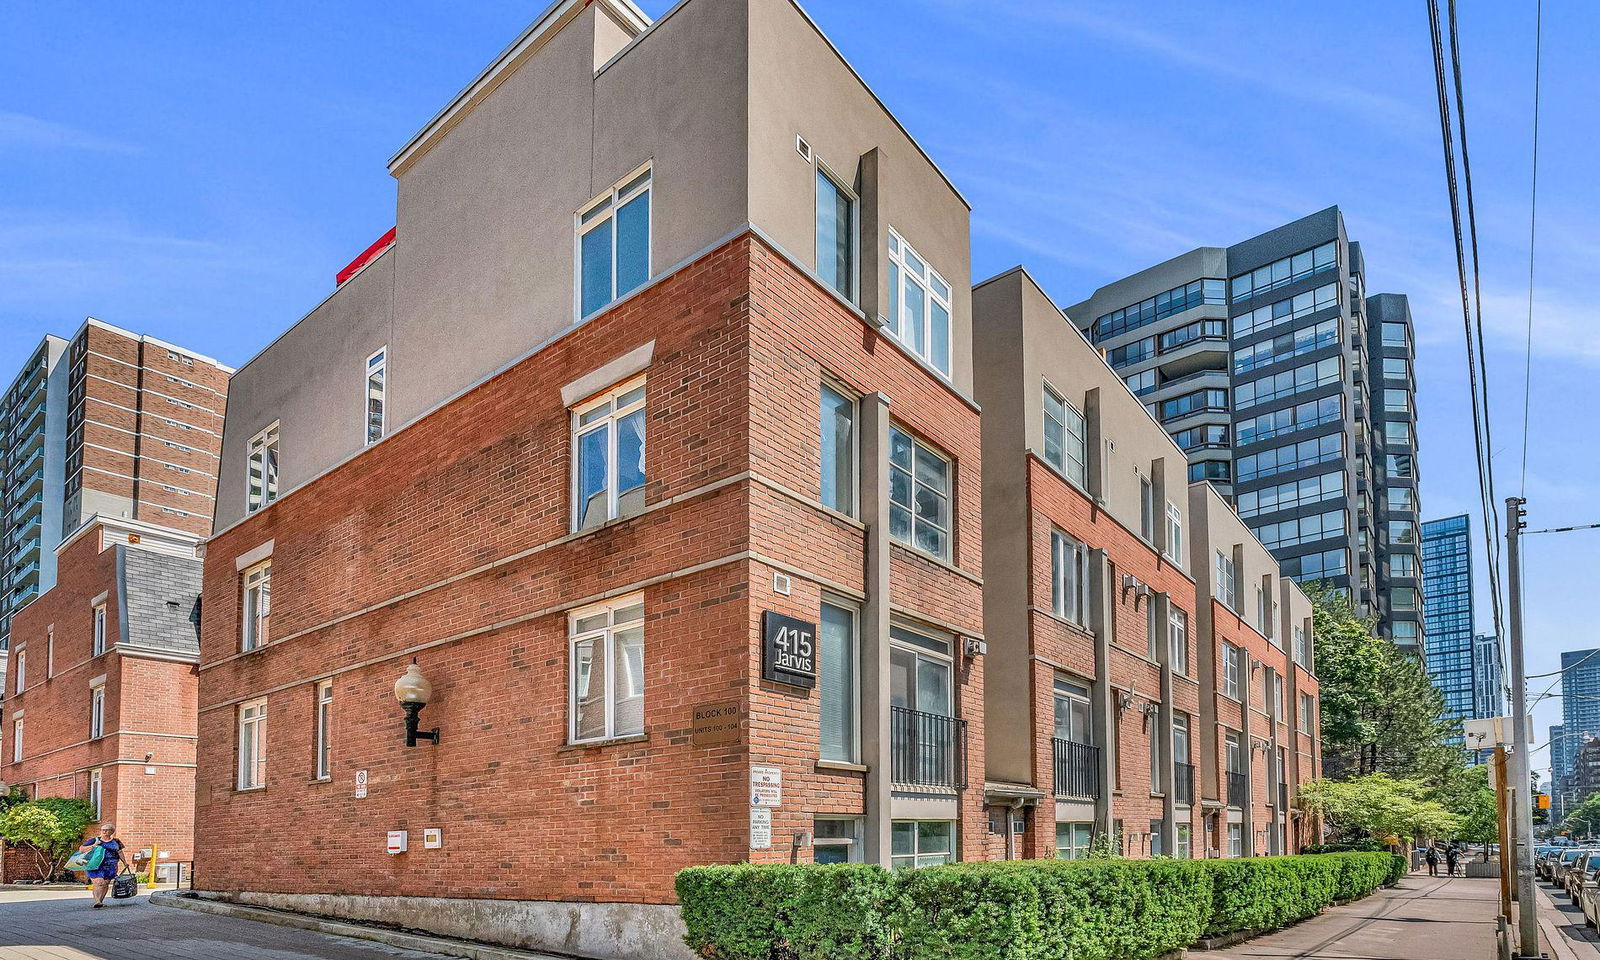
1584,820
51,826
1380,806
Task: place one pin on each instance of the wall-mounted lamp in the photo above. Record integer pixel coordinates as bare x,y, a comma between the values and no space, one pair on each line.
414,691
975,647
1124,701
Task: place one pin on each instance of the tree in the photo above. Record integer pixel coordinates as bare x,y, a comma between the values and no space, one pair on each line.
1379,806
1585,818
51,826
1467,795
1380,712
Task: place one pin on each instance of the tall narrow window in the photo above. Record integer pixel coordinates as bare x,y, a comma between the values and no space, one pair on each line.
919,494
614,243
50,651
1147,510
836,233
919,305
1230,670
97,711
324,729
257,613
838,450
263,469
1178,637
1151,649
608,446
1300,645
96,788
1174,533
606,660
377,371
16,739
1307,708
253,744
20,668
99,644
1064,444
837,682
1069,577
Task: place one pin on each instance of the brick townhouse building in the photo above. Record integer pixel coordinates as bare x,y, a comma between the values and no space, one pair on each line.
757,635
109,442
1102,692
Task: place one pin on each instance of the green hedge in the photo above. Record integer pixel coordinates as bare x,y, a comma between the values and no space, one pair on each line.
1018,910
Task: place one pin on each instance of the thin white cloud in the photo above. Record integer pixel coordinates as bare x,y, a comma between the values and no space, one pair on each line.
20,129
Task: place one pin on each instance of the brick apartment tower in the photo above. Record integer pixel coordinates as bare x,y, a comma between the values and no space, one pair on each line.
620,230
107,482
1103,704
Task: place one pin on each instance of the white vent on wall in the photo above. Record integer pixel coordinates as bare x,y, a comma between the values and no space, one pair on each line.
781,583
803,148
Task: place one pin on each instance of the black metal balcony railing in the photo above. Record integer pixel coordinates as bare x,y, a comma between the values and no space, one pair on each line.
1183,792
1077,768
927,750
1238,789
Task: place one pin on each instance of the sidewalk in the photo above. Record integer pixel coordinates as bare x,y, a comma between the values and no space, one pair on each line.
1420,918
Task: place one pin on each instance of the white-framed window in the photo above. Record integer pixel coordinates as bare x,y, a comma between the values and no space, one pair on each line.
256,622
1227,584
839,450
1264,609
919,305
1069,578
20,668
608,456
1147,509
1235,839
1174,549
838,682
1152,649
1300,645
1178,639
1307,712
1185,842
919,494
96,791
836,840
324,730
253,744
606,663
99,642
1073,839
837,232
16,739
1156,780
97,711
50,651
614,242
1065,447
922,843
377,378
263,469
1231,670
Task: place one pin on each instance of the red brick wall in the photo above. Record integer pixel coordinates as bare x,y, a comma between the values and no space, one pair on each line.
149,711
741,341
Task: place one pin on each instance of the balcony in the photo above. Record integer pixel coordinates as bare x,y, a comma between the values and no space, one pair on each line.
1183,794
1238,789
927,750
1077,770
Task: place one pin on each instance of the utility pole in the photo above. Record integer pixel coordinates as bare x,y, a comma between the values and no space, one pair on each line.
1501,781
1527,921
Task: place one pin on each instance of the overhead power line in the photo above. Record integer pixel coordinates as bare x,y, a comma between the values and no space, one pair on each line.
1533,224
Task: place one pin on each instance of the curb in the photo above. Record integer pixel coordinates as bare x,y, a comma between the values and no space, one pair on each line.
339,928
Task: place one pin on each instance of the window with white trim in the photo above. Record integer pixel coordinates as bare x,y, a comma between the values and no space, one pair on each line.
1227,585
1174,549
838,461
608,456
252,771
837,682
20,668
1300,645
99,643
919,305
97,711
1073,839
922,843
614,243
324,769
1069,578
16,740
50,651
606,664
1178,640
255,625
1185,842
919,494
836,840
1065,447
263,469
96,790
1147,509
377,377
836,234
1231,670
1235,839
1307,711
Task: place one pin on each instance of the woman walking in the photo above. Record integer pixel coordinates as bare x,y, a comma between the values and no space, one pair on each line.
100,877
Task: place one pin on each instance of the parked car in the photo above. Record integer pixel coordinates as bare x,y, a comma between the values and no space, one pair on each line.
1558,869
1591,890
1544,860
1581,870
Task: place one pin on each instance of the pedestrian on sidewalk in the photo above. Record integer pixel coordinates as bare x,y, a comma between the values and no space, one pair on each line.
100,877
1451,855
1432,858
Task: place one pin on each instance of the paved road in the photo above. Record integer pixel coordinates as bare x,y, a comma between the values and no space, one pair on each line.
1563,931
59,925
1421,918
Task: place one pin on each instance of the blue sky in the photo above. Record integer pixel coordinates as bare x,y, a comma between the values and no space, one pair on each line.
200,172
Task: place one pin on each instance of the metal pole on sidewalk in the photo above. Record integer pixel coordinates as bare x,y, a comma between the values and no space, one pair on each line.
1527,921
1505,831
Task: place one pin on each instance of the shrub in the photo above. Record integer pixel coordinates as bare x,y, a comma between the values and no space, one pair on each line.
1017,910
786,912
52,826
